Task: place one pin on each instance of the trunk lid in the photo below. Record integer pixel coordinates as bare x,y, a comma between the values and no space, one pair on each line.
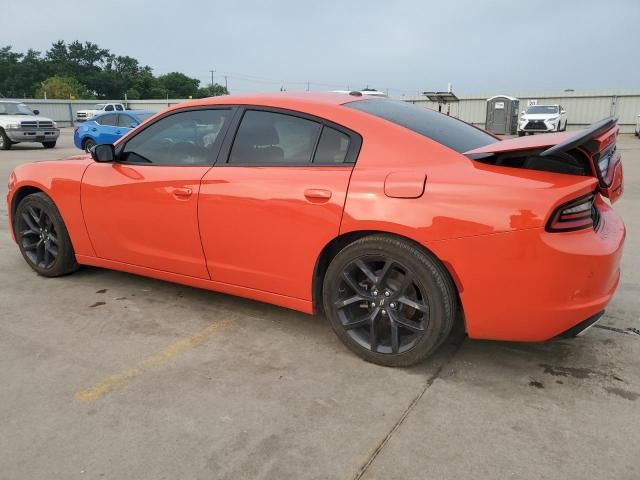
591,151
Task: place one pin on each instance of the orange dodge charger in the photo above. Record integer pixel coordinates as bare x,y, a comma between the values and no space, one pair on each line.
395,221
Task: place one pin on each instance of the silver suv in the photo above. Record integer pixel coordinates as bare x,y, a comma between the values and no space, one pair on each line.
19,124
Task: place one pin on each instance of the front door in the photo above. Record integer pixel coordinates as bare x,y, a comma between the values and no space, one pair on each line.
267,210
143,209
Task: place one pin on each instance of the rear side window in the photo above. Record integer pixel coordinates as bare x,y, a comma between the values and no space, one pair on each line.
332,147
448,131
108,120
268,138
119,108
126,121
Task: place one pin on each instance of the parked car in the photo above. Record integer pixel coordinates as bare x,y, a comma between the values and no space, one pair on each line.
107,128
542,119
18,123
86,114
395,221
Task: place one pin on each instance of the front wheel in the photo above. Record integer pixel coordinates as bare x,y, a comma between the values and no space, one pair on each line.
521,134
5,143
389,301
42,236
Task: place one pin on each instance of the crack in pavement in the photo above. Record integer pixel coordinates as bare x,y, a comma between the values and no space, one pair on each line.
406,412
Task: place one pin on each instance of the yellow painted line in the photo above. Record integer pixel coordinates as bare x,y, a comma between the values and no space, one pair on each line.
119,380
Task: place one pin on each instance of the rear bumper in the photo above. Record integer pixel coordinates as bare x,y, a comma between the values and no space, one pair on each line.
583,326
532,285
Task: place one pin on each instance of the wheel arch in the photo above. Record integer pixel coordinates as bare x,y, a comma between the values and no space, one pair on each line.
332,248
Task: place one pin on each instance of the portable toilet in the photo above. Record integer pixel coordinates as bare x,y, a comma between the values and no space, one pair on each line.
502,115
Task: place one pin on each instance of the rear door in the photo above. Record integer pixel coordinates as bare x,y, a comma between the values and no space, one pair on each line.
274,199
106,128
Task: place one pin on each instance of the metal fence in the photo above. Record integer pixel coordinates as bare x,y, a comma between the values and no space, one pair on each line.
582,108
63,112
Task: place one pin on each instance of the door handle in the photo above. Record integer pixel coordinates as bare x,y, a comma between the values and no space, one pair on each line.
317,194
180,192
94,129
118,132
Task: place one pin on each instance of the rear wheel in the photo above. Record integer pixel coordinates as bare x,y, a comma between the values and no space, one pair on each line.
5,143
88,145
48,144
388,300
42,236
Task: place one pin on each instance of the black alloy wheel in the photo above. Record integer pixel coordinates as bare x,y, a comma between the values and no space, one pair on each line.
381,304
389,300
42,236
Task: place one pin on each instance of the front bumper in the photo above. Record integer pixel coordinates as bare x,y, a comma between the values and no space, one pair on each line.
33,134
538,126
533,285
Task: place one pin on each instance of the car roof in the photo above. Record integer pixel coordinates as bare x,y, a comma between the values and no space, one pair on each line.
280,98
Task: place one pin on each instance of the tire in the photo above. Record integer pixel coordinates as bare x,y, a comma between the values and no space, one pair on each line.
49,144
403,317
521,134
42,237
5,143
88,144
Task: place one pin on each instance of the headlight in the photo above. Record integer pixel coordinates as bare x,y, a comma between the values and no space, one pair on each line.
12,125
552,120
55,125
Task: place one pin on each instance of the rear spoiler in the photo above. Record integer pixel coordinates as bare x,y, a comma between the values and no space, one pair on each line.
583,137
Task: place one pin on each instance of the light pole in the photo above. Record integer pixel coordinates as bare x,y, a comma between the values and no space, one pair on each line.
212,72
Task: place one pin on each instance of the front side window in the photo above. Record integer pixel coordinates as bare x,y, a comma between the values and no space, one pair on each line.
110,120
184,138
109,108
268,138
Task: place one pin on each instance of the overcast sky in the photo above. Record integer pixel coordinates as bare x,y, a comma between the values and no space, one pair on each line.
481,46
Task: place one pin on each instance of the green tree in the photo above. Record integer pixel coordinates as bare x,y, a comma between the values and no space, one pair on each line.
63,88
178,85
214,90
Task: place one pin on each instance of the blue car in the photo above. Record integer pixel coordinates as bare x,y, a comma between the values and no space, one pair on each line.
107,128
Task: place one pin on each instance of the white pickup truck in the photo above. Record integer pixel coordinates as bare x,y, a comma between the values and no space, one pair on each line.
86,114
18,123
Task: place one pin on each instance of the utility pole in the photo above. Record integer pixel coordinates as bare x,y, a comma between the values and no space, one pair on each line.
225,83
212,72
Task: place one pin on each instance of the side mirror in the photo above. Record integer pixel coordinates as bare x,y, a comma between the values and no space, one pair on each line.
103,153
522,112
36,112
562,112
133,125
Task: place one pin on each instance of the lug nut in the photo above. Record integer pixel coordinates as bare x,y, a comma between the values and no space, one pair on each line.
387,293
373,304
393,305
384,312
375,292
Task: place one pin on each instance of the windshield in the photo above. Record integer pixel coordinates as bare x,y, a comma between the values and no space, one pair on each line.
543,109
99,106
11,108
448,131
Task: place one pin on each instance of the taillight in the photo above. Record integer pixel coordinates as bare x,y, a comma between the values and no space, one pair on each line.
605,163
574,215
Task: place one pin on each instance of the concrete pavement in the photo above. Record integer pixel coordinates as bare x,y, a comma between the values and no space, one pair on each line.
107,375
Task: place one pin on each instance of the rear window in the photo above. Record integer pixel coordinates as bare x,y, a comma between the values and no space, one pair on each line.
449,131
